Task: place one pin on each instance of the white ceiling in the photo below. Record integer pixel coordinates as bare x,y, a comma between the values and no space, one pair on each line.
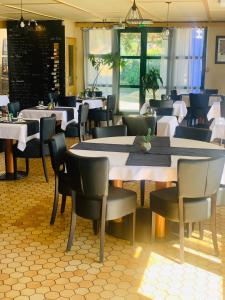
113,10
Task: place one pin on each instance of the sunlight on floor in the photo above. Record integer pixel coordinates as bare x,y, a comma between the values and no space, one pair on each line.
164,279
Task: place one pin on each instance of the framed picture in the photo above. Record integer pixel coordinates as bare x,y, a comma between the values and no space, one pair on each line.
220,50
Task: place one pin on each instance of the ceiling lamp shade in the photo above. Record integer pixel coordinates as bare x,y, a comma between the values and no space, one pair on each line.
22,23
134,16
166,30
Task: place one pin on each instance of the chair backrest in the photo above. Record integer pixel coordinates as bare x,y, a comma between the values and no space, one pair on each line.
47,128
199,100
83,113
70,101
175,97
222,108
199,178
164,111
53,97
111,102
57,147
101,132
154,103
89,175
139,125
173,92
14,108
166,103
199,134
211,91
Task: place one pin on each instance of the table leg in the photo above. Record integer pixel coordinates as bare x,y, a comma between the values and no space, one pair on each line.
117,183
160,221
9,168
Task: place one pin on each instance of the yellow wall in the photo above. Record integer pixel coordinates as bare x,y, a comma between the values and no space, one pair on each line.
215,73
71,31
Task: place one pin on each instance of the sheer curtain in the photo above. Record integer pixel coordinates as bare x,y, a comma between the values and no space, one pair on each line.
186,59
98,42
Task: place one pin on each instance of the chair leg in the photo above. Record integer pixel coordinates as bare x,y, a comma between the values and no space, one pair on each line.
102,230
201,231
95,224
27,166
133,227
142,188
153,227
72,223
63,204
45,168
181,233
55,203
213,224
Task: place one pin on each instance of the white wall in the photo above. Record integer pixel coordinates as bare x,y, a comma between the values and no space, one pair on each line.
71,31
215,73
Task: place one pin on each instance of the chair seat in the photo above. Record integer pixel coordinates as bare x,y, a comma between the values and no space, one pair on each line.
165,202
32,150
120,202
64,184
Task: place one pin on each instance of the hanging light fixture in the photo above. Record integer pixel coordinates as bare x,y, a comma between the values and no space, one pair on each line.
166,30
134,16
22,23
199,33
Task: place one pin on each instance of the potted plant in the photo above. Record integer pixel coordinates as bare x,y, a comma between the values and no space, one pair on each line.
99,62
146,145
151,81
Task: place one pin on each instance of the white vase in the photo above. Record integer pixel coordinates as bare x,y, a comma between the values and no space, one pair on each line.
146,146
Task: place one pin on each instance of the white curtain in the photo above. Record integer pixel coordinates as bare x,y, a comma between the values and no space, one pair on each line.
186,54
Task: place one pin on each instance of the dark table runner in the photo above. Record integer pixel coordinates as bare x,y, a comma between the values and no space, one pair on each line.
159,155
32,126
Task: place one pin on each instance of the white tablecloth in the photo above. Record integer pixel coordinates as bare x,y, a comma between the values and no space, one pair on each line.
61,115
218,129
212,99
120,171
214,111
166,126
94,103
16,132
4,100
179,110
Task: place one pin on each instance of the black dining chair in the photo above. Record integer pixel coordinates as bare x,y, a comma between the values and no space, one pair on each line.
14,108
70,101
93,198
154,103
175,97
197,114
99,115
193,199
164,111
37,148
138,125
199,134
57,147
101,132
166,103
79,129
211,91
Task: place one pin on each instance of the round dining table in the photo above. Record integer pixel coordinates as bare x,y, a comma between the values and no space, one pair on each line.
129,163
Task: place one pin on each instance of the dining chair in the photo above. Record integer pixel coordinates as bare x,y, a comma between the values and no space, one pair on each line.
193,199
164,111
197,114
70,101
166,103
14,108
138,125
93,198
79,129
199,134
57,147
154,103
37,148
98,115
101,132
211,91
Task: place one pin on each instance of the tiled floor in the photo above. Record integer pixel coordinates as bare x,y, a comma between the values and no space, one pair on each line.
34,264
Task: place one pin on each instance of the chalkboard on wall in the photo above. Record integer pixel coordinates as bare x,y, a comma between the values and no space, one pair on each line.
36,62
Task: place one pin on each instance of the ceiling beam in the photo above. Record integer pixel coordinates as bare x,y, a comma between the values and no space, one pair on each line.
206,6
79,8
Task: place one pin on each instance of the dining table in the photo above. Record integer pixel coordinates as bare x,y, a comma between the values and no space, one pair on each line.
128,162
4,100
21,130
212,99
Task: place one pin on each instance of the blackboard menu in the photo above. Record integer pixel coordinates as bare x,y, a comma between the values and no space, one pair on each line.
36,58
